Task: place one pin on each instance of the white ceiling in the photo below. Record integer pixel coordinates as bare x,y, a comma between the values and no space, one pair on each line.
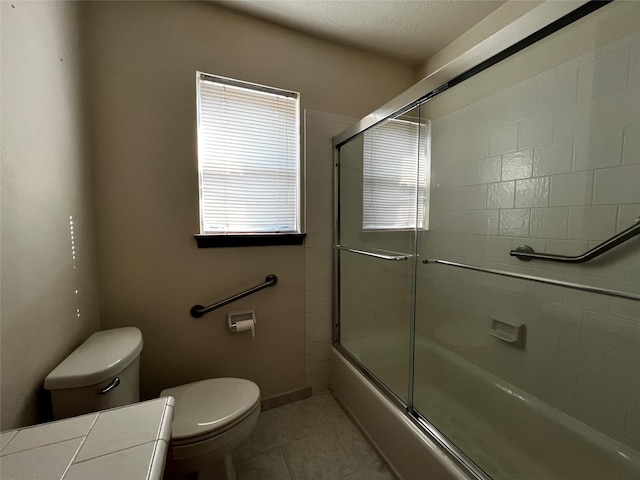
407,30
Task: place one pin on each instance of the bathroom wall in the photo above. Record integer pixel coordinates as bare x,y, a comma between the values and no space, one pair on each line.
49,271
320,127
142,60
504,15
543,150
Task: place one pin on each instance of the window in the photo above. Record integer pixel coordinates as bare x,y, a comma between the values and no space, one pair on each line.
249,163
395,170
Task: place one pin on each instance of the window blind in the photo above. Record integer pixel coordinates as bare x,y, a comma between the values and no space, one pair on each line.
248,156
395,161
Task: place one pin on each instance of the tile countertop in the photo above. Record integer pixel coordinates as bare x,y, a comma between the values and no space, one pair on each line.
127,442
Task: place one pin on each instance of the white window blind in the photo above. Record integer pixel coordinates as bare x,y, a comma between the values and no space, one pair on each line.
248,156
395,175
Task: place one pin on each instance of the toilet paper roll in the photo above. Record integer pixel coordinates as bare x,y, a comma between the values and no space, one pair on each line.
245,325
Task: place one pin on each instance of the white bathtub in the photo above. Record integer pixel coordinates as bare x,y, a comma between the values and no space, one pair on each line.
509,433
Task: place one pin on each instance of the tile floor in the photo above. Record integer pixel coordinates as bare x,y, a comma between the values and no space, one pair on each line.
312,439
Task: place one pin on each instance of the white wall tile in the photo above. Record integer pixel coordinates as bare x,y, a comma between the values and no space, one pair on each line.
624,308
517,165
562,320
627,216
581,359
571,189
536,130
584,300
631,145
486,222
488,170
551,159
612,334
503,139
549,222
634,65
619,109
501,195
497,249
617,185
514,222
572,121
600,147
622,373
603,75
542,344
592,223
566,83
521,103
533,192
472,197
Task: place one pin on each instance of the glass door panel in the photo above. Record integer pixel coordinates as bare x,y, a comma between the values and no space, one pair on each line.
381,202
530,380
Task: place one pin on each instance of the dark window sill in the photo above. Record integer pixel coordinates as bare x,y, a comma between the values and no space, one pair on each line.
249,240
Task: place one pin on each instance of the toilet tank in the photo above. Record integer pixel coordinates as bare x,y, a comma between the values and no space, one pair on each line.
103,372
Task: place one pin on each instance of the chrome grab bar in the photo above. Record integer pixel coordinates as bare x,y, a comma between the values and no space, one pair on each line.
547,281
526,253
395,258
198,311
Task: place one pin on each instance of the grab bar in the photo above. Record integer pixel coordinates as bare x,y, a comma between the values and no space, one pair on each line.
395,258
526,253
198,311
547,281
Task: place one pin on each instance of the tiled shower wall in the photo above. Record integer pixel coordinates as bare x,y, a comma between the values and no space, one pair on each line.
320,128
552,161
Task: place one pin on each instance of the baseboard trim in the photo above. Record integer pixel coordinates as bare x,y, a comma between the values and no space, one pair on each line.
284,398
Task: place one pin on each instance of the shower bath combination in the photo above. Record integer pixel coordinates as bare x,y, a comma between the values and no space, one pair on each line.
509,368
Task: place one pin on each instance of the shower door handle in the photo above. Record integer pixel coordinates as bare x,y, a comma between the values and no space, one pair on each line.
382,256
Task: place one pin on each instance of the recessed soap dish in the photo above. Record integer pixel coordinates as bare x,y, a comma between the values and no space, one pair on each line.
513,333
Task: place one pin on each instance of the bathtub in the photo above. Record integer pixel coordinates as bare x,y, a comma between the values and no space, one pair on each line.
510,433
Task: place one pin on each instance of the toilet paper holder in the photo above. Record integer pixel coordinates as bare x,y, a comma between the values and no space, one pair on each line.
242,322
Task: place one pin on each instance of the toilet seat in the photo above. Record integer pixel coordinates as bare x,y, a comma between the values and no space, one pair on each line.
208,408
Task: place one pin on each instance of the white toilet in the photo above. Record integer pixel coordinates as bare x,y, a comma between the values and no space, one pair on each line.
210,419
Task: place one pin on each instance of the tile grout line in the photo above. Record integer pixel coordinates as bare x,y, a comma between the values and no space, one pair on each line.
75,455
286,462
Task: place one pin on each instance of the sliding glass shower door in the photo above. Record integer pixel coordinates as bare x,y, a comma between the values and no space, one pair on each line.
382,190
519,368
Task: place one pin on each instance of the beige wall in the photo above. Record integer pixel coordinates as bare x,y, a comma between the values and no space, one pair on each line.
143,57
49,298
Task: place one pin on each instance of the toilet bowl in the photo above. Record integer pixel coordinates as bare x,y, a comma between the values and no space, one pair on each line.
211,417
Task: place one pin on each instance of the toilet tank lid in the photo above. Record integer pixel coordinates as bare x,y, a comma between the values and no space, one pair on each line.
102,356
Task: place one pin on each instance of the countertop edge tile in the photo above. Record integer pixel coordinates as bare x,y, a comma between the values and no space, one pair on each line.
159,460
5,438
167,420
120,464
156,422
128,425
